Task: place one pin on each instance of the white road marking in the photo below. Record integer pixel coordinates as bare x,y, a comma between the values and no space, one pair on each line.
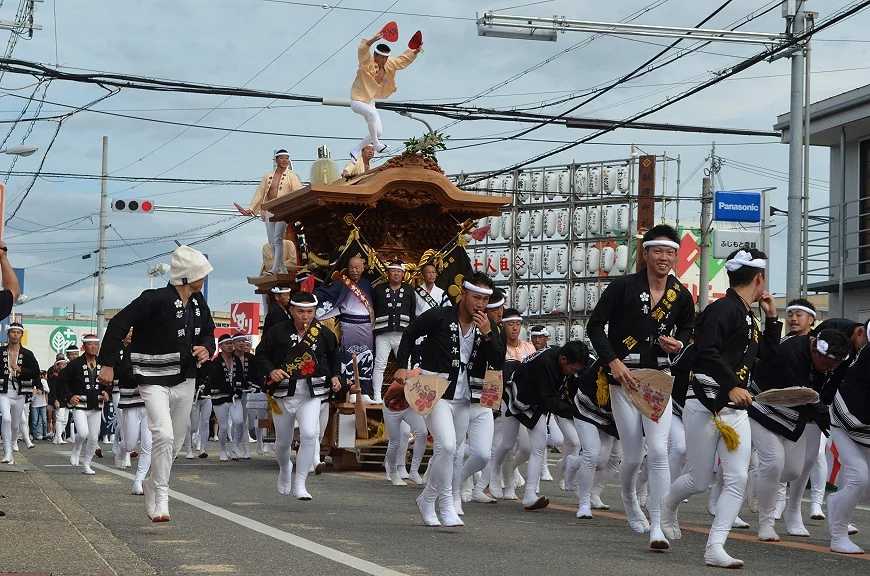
302,543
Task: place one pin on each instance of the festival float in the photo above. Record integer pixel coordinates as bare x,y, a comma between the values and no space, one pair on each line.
406,209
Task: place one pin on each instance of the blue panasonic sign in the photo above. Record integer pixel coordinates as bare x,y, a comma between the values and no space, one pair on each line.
737,206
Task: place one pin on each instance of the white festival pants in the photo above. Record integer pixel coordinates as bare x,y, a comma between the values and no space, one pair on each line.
87,434
570,442
61,417
537,450
812,438
204,421
854,482
779,460
635,428
595,450
395,456
11,408
701,452
222,412
513,433
819,473
373,120
237,416
384,344
136,432
478,440
676,446
304,410
168,410
448,423
275,232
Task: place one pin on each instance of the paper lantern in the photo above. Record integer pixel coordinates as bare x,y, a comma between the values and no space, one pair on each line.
521,262
578,260
494,227
537,224
506,229
550,260
535,299
620,262
550,219
562,260
521,299
548,299
562,223
593,261
523,224
578,297
607,256
580,222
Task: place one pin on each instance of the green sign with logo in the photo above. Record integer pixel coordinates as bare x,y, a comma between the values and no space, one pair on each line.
62,338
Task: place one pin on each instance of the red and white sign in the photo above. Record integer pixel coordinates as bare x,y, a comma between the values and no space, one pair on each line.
245,317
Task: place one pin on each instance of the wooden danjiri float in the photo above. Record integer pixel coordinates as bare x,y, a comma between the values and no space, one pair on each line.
407,209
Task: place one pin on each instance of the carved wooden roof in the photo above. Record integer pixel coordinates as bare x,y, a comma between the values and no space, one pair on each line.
400,211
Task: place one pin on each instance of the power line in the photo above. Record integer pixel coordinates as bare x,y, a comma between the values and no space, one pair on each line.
289,47
139,261
844,13
351,9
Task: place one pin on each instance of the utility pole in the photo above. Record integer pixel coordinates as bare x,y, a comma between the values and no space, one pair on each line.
794,248
703,280
104,225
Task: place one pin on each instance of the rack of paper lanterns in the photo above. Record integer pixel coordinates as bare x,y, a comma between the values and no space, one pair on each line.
566,233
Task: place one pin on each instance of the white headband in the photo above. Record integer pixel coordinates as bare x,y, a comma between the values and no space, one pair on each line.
475,288
541,332
822,347
665,243
809,311
396,267
378,51
512,319
244,337
279,290
494,305
304,304
87,340
744,258
279,154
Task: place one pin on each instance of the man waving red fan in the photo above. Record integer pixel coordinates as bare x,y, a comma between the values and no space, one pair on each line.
376,79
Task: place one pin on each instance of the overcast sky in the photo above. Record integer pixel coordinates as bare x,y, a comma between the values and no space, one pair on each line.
280,46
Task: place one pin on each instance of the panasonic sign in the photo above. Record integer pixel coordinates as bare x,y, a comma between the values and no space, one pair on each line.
737,206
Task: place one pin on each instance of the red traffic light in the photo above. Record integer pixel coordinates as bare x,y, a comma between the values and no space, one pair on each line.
135,206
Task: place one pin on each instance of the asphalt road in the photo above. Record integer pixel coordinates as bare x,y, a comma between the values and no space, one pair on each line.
227,518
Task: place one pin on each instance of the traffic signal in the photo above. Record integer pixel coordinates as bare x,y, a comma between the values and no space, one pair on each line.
133,206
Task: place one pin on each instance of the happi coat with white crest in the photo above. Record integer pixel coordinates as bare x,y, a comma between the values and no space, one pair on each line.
634,322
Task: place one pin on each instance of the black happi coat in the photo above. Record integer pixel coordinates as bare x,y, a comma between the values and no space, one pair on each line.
440,351
541,388
77,381
850,410
165,330
28,367
394,309
313,358
727,343
634,323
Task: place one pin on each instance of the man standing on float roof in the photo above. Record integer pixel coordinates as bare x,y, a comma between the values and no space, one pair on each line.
274,184
375,79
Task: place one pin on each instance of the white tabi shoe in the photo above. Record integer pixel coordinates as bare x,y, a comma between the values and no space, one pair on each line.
86,469
300,493
816,512
671,523
844,545
852,529
657,540
223,456
74,458
416,478
427,511
449,516
457,505
137,488
150,498
482,497
740,524
510,493
396,479
716,556
403,473
794,523
766,531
